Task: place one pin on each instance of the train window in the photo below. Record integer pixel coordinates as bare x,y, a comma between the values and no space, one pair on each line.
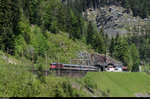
53,64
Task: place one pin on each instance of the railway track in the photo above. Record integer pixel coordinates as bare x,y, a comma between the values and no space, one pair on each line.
63,73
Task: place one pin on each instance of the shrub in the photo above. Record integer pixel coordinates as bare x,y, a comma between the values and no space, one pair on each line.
89,83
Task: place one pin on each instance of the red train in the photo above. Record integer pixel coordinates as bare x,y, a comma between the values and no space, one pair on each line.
59,66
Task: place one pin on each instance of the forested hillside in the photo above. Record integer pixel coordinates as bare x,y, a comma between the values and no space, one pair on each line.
39,32
26,24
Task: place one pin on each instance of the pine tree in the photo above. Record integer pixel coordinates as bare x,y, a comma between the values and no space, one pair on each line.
135,57
16,15
99,43
54,27
111,47
102,32
117,38
9,19
121,50
90,33
73,24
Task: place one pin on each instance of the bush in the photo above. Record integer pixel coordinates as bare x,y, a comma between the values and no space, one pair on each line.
89,83
40,74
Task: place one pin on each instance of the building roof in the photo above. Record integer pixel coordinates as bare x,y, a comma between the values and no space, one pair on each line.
115,64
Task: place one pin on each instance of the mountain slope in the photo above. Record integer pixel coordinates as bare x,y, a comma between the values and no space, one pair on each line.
121,84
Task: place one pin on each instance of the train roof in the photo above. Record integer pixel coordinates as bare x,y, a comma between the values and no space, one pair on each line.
115,64
75,65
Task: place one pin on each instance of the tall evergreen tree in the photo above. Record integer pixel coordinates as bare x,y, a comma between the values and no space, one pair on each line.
111,47
90,33
121,50
117,39
135,57
9,18
99,43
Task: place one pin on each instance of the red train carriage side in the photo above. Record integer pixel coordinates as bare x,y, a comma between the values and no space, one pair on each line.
55,66
59,66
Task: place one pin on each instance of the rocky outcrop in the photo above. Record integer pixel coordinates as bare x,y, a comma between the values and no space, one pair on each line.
114,19
95,58
101,59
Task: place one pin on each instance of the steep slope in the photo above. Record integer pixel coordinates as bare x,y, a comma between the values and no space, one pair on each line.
114,19
121,84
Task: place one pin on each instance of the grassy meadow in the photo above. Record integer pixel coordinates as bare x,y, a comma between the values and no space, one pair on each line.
121,84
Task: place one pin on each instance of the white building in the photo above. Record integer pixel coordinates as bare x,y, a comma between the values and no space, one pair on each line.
113,67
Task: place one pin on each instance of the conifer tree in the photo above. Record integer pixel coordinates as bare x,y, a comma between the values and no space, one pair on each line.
135,57
90,33
121,50
73,24
111,47
9,18
99,43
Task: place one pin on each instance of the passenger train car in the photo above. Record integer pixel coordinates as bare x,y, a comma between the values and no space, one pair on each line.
59,66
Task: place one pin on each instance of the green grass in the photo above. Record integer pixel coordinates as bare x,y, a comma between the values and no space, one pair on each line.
121,84
146,67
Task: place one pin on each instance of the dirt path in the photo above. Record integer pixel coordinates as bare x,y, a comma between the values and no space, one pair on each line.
142,95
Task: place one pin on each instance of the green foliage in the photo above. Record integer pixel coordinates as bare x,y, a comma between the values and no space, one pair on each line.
121,50
20,45
9,18
130,63
39,45
25,84
140,9
89,82
54,28
129,55
24,29
40,74
135,57
61,45
90,33
111,47
99,44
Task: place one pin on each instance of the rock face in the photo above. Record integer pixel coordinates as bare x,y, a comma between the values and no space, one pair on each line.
113,19
95,58
100,59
